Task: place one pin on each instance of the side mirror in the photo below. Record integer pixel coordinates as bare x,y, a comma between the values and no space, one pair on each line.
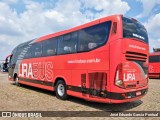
8,58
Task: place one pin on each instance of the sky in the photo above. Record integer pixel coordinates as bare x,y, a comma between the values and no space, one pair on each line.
24,20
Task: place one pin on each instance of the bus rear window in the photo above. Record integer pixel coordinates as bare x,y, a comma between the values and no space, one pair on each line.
133,29
155,58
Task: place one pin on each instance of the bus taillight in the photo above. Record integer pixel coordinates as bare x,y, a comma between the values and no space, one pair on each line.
119,76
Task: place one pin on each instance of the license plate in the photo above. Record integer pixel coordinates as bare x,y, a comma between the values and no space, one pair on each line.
138,93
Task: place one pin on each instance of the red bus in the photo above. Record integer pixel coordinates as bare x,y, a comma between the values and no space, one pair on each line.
105,60
154,65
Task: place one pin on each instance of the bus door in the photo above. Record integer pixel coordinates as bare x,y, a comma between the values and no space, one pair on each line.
6,64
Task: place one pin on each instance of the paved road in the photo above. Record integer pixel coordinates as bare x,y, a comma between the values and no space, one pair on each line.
13,98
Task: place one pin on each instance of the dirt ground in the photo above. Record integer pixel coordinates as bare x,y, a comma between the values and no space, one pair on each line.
25,98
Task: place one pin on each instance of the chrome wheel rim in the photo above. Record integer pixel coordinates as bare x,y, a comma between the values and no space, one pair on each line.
60,89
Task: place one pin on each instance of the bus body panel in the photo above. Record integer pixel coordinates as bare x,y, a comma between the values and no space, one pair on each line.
154,65
88,74
36,85
128,60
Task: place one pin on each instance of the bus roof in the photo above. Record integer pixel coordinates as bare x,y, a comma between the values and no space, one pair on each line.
154,53
78,27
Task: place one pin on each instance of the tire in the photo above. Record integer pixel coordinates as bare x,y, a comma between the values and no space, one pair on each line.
61,90
17,81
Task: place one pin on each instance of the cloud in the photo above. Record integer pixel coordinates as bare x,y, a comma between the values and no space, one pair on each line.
152,26
148,6
104,7
10,1
7,21
38,19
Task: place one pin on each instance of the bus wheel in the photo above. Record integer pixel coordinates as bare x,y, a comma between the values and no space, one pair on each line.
16,81
61,91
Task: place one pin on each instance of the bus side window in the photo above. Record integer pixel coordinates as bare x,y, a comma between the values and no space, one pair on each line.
13,56
49,47
67,44
82,41
74,39
20,54
50,52
92,45
37,50
64,44
28,55
94,36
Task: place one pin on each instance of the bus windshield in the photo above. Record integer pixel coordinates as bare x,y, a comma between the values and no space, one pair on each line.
133,29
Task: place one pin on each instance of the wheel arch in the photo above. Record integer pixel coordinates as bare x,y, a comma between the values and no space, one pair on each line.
14,76
57,79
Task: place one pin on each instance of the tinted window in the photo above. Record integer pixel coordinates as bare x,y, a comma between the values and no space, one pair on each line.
60,45
50,47
67,44
37,50
73,43
133,29
94,36
154,58
14,56
26,51
18,53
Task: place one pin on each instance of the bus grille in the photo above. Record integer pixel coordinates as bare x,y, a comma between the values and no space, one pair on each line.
132,56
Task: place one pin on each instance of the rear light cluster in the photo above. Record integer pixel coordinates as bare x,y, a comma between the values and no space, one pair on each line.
119,76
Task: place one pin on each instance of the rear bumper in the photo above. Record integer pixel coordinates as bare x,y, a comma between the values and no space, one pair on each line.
109,97
106,96
129,96
154,75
